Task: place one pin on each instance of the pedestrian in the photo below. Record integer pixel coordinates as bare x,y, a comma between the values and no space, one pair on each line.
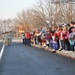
28,38
5,38
9,37
23,38
72,23
72,39
43,40
54,42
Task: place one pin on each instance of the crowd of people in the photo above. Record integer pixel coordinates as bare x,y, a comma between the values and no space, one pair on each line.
58,37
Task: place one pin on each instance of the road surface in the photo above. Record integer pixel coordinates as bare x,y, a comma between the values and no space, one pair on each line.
19,59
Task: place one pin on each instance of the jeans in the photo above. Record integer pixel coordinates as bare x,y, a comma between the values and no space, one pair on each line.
67,46
62,44
28,42
72,48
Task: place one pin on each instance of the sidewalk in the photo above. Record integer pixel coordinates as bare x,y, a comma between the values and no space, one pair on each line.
68,55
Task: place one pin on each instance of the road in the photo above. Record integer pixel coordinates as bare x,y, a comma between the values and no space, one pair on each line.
1,44
18,59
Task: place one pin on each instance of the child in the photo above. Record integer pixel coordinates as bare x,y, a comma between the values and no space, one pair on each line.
43,40
47,43
55,44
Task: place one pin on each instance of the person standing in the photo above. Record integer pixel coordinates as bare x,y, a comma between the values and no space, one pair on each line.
5,38
9,37
23,38
28,37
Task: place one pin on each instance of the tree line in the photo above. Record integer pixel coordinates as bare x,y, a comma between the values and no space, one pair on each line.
46,13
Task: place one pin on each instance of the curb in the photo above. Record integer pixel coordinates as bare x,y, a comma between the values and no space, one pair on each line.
58,52
72,56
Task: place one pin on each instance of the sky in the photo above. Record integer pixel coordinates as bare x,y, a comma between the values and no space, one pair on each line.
10,8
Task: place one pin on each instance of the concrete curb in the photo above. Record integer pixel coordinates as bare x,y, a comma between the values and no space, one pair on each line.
68,55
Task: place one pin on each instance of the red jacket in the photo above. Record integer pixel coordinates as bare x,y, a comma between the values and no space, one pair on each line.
28,36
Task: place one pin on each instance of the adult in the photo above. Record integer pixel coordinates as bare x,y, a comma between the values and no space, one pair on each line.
28,37
9,37
71,26
23,38
5,38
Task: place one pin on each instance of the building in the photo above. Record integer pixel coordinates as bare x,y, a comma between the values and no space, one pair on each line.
19,30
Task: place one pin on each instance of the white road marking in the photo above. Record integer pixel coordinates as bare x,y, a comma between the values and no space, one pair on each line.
1,53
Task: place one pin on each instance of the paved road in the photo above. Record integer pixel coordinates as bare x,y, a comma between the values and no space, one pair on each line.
18,59
1,44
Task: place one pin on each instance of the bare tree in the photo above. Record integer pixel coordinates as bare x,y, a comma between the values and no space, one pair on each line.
46,13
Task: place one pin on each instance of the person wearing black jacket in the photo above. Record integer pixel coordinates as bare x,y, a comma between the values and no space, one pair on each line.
71,26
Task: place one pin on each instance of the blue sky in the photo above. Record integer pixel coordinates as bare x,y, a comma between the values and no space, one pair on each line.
9,8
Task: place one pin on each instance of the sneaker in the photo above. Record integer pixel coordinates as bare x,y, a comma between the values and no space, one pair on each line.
66,51
70,51
53,51
46,46
60,49
63,50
